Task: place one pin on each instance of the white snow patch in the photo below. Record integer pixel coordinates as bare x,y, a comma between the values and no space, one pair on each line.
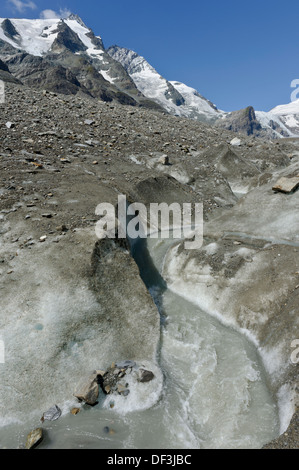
106,76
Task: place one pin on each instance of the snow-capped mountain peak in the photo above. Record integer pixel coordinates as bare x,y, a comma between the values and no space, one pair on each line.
147,79
121,74
36,37
289,115
175,97
33,36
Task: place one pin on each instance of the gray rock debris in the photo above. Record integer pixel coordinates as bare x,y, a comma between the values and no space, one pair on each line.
114,379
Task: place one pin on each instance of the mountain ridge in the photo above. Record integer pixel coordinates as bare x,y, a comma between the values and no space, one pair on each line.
80,63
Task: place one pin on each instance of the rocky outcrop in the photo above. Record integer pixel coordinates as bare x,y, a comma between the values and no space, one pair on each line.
5,74
243,121
41,73
67,39
90,78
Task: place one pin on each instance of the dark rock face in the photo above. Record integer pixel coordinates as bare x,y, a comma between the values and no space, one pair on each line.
3,66
67,39
9,30
38,72
5,74
96,41
64,73
243,121
90,79
7,49
173,95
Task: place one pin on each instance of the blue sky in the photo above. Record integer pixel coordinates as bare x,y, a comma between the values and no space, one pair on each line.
235,53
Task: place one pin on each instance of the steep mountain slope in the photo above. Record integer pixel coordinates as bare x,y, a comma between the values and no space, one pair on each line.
181,100
70,44
289,115
5,74
198,106
241,121
176,98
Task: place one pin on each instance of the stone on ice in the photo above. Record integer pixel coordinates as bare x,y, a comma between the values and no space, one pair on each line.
286,185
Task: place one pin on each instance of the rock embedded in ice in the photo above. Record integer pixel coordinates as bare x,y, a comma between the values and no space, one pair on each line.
286,185
9,125
235,142
145,375
122,389
52,414
34,438
108,430
88,390
164,160
111,380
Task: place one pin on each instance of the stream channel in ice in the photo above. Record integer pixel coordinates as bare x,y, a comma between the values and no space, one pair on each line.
212,393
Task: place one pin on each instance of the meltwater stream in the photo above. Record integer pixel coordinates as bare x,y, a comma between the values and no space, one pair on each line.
213,393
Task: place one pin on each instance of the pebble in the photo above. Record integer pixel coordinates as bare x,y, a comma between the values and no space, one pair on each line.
9,125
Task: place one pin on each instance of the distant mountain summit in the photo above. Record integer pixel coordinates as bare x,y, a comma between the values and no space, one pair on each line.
175,97
65,56
289,115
